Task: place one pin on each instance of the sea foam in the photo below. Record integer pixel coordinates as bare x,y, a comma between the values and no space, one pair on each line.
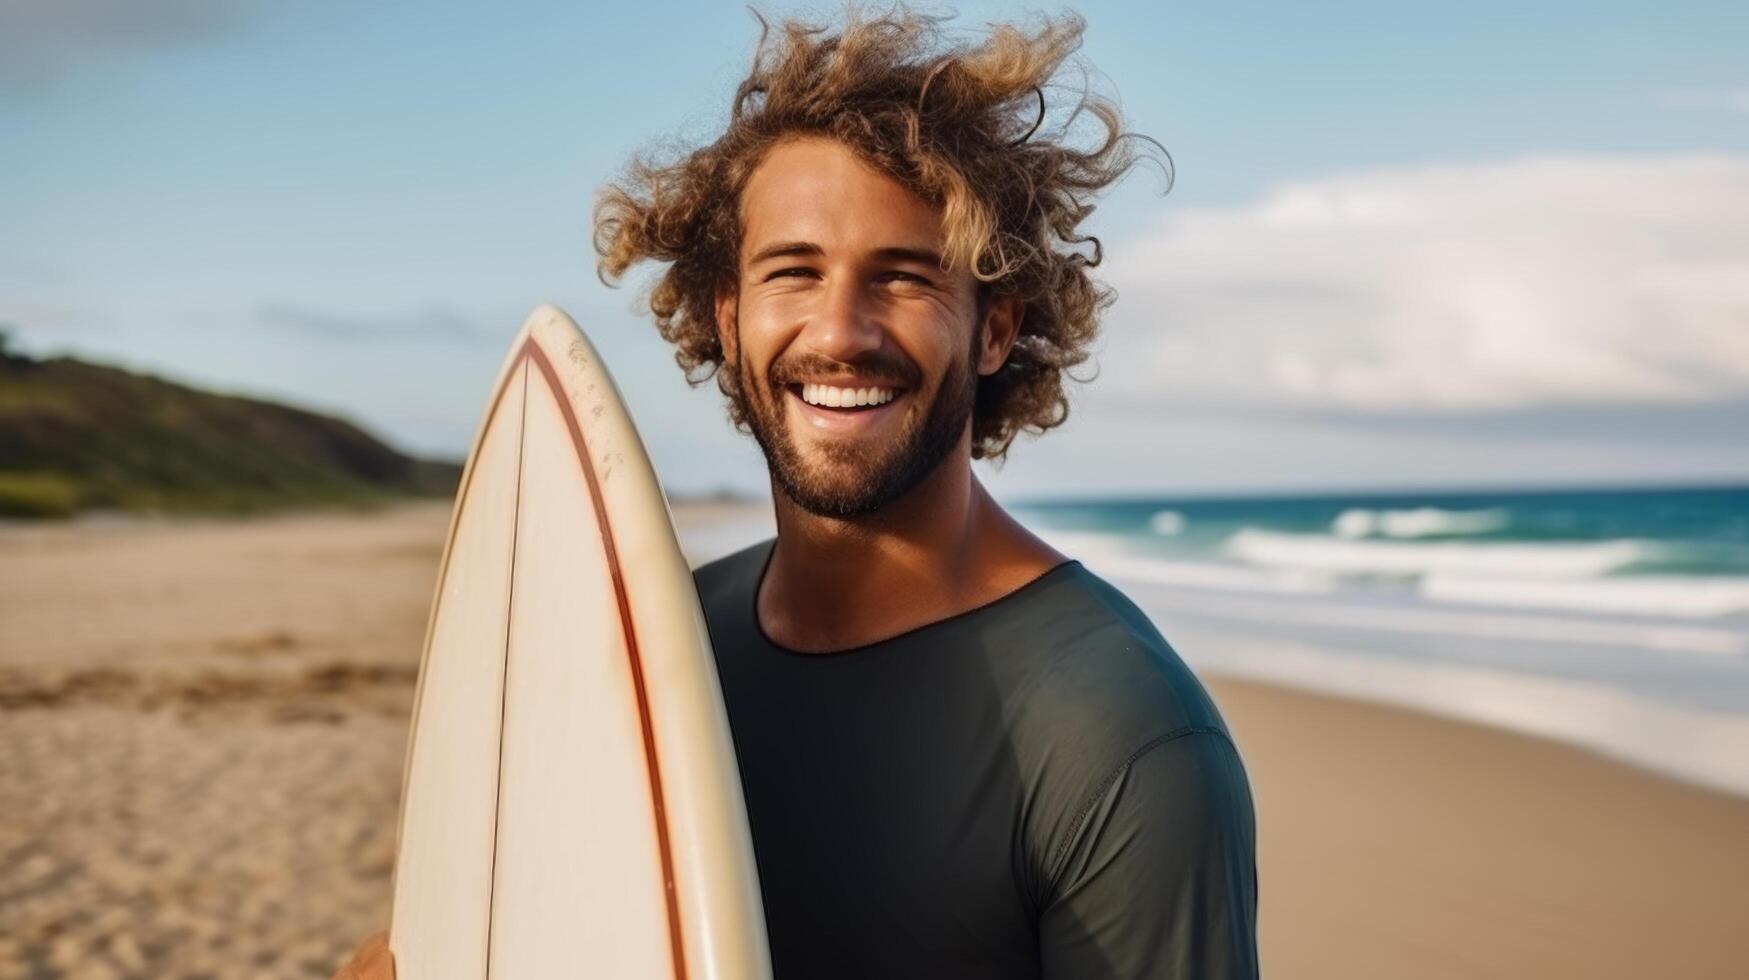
1686,596
1418,522
1347,556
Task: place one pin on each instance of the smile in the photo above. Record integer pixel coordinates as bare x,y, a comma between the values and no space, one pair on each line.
845,410
827,396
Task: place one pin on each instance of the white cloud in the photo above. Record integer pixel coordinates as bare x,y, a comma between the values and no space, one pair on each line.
1536,281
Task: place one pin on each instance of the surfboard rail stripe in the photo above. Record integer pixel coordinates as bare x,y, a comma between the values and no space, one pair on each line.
531,353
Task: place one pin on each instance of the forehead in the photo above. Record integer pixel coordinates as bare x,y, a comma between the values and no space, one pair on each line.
812,189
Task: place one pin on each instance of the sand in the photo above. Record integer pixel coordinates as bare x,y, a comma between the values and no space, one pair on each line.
1393,844
202,725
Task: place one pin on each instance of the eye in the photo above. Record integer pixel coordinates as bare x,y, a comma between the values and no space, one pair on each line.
910,278
792,272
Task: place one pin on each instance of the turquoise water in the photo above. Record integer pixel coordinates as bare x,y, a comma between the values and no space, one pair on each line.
1613,619
1679,552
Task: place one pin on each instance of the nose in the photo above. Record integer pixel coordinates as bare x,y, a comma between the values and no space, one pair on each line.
846,324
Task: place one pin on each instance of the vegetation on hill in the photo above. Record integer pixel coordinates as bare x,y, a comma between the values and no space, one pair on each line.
78,436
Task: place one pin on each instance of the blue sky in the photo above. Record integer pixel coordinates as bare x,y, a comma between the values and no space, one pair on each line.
1408,245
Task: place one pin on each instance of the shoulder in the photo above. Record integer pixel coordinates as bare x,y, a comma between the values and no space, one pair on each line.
1100,700
1094,663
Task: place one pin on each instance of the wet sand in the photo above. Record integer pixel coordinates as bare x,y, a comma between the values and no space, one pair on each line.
1395,844
202,728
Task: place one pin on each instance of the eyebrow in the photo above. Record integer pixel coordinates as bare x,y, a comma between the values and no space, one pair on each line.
899,253
783,249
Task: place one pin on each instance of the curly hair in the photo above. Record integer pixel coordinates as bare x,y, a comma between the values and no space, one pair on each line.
959,125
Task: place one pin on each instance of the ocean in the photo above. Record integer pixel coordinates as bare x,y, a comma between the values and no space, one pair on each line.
1612,619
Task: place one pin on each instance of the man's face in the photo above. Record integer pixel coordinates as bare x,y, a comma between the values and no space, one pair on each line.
840,299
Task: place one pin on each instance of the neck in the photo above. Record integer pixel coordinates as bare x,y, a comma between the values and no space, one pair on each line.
944,547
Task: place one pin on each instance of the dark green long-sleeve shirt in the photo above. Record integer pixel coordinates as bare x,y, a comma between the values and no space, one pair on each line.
1038,787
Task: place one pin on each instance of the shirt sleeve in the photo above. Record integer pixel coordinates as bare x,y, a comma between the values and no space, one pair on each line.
1158,876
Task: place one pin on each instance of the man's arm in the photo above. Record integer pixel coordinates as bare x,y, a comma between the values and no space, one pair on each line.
1159,877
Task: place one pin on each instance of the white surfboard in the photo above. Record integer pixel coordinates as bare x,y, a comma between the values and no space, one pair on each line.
571,804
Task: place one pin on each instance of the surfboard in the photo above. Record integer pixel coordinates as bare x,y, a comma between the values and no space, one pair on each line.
571,804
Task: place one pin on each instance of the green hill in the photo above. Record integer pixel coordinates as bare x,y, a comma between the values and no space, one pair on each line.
77,436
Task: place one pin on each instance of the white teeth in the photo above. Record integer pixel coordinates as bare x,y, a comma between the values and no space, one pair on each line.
817,394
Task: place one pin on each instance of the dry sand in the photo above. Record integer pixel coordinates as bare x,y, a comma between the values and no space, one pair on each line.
202,726
202,729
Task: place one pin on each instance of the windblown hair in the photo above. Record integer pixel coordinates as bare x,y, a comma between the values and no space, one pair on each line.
962,126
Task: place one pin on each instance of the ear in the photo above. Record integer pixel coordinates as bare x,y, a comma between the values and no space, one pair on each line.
726,332
1002,317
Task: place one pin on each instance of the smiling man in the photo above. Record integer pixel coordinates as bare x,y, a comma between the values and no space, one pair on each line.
964,755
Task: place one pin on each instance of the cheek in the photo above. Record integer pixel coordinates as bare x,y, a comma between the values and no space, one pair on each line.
947,349
770,320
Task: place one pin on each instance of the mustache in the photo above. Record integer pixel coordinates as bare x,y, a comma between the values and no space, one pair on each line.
876,369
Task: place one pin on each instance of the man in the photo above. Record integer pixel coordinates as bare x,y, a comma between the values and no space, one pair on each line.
964,755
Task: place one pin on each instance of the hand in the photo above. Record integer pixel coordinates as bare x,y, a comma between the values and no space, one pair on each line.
372,961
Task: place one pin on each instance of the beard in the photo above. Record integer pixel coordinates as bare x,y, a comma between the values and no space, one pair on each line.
846,479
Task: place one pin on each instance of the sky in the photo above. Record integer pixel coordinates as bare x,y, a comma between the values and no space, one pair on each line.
1407,246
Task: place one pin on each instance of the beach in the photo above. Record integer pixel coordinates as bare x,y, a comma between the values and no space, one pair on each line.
202,723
